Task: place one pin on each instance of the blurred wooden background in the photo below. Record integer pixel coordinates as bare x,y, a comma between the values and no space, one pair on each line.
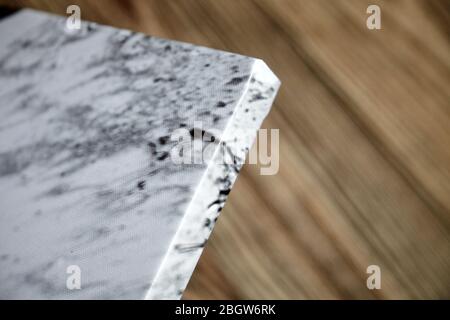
364,119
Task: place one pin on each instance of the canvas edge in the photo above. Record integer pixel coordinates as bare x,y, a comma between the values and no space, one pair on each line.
196,226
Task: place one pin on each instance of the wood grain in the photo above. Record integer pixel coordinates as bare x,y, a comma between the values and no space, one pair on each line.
364,145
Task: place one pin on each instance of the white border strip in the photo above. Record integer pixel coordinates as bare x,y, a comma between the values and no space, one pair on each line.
196,226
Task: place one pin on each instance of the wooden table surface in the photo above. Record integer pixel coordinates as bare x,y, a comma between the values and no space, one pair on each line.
364,119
